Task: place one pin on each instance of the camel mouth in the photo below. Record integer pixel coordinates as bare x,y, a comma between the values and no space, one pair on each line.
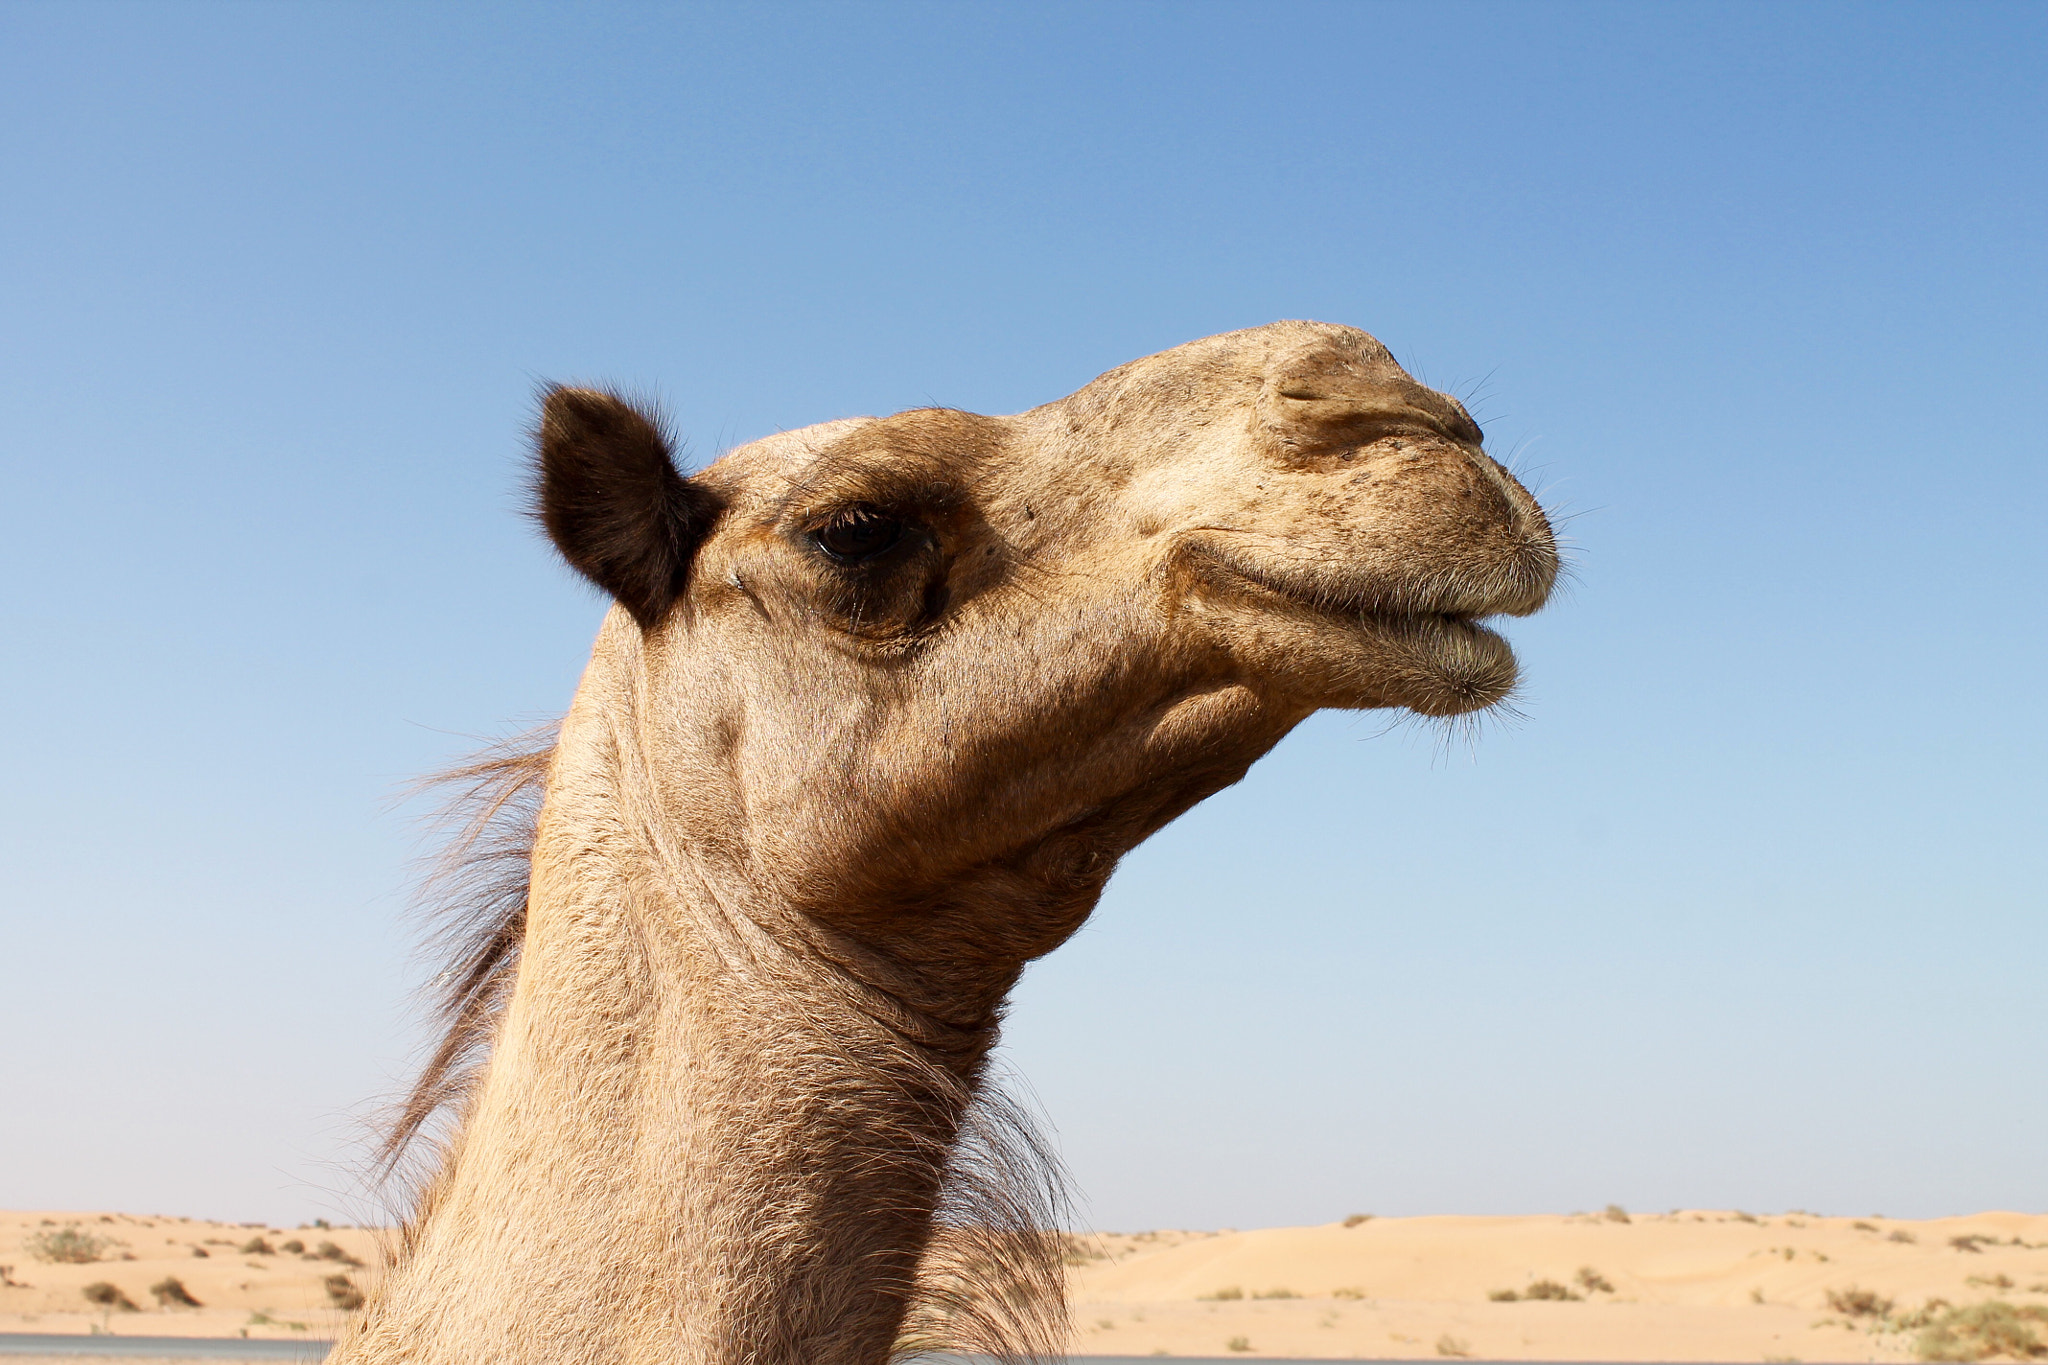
1421,646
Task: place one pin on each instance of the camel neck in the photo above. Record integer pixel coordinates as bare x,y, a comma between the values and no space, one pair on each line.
696,1141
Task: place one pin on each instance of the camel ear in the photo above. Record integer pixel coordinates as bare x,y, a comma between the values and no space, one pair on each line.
607,490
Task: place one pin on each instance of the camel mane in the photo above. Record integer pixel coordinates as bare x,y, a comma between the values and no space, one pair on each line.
991,1280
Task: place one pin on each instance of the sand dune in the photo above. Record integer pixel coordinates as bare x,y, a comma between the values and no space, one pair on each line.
1684,1286
243,1290
1691,1285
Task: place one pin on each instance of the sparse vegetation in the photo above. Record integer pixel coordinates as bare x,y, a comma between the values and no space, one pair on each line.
1282,1293
1448,1345
1548,1289
1859,1303
343,1294
1900,1235
201,1252
1862,1226
328,1251
1355,1219
1970,1242
106,1294
1742,1217
1353,1292
1984,1330
1239,1343
257,1246
1503,1295
68,1246
1990,1281
294,1246
1615,1213
1223,1295
170,1292
1592,1281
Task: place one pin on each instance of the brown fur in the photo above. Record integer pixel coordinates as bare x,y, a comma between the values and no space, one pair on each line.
884,704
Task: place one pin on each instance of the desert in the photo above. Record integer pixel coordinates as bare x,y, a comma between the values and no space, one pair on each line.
1606,1285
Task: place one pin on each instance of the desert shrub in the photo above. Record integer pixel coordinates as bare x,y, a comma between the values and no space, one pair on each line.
294,1246
1355,1219
1448,1345
70,1246
1239,1343
1900,1235
328,1251
1742,1217
1990,1281
1983,1330
1970,1242
1592,1281
342,1292
1503,1295
1277,1294
1353,1292
171,1292
1615,1213
1862,1226
1222,1295
1859,1303
257,1246
202,1253
106,1294
1548,1289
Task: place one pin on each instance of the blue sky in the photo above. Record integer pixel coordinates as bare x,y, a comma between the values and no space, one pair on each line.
1745,910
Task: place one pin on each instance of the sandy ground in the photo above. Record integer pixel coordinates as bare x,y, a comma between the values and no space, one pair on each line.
1686,1286
1683,1286
244,1290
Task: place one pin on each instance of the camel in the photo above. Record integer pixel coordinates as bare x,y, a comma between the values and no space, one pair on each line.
877,708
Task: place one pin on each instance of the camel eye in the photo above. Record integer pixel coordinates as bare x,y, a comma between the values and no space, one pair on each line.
859,533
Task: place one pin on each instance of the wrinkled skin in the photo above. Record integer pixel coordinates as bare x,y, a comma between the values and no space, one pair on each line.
881,705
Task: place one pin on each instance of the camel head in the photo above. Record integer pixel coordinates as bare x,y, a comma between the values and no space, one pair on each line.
926,677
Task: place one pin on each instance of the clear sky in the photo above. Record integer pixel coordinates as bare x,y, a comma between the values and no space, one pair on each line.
1747,909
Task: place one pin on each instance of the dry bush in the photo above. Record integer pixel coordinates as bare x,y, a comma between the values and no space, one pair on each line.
1277,1294
170,1292
1900,1235
1742,1217
1548,1289
1353,1292
257,1246
1862,1226
1592,1281
69,1246
1859,1303
328,1251
1984,1330
1239,1343
1990,1281
1355,1219
1224,1294
295,1247
106,1294
1971,1242
1615,1213
342,1292
1503,1295
202,1253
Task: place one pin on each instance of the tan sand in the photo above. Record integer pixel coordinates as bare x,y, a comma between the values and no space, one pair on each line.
282,1294
1686,1286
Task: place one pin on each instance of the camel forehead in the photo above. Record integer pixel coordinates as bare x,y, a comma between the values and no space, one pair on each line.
777,458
